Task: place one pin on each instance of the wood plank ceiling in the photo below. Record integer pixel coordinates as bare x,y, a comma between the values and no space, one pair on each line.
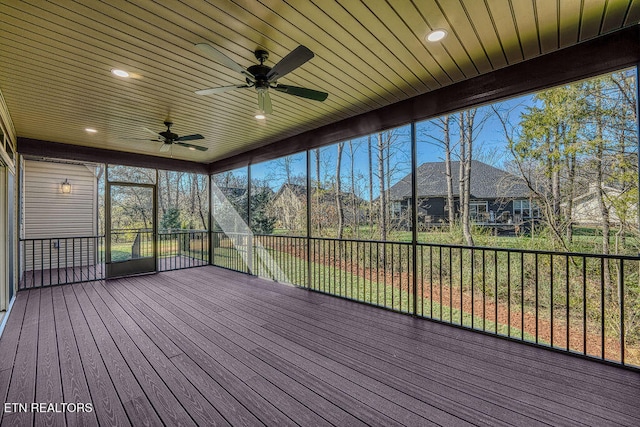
56,58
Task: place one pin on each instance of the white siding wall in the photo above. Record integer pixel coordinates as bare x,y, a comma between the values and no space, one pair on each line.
48,213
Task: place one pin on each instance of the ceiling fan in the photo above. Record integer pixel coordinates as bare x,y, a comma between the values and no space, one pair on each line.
169,138
263,77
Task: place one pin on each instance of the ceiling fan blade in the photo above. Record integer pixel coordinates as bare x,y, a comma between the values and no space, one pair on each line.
302,92
196,147
223,59
219,89
157,135
165,148
190,137
293,60
264,102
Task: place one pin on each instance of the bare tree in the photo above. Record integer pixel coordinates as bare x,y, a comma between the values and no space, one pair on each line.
442,139
317,151
370,149
338,191
465,120
382,220
354,203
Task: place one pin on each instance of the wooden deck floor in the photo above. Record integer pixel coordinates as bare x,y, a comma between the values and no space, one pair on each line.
207,346
85,273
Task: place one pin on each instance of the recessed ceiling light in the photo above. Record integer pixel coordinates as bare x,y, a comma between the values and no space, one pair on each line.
260,116
91,130
436,35
192,149
119,73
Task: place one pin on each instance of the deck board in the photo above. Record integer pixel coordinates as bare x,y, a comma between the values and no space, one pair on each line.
209,346
49,385
23,379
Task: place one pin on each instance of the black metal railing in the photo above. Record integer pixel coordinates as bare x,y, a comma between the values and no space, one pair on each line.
53,261
374,272
179,249
60,260
280,258
231,250
587,304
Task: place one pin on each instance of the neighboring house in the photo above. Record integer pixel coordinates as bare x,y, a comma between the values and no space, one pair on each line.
497,196
586,210
288,205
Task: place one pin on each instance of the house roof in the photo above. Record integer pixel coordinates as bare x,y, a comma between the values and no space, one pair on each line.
327,195
487,182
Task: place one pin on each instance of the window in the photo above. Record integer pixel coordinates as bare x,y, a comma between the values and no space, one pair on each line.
523,209
478,210
396,209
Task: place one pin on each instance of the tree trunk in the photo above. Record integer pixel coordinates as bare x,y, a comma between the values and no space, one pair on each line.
571,159
354,207
318,187
465,175
370,188
339,210
199,197
382,199
448,172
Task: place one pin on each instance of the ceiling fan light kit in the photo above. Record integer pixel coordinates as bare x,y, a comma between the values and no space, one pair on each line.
262,77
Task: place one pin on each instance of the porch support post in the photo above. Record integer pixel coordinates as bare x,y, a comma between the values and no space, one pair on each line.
250,235
210,220
638,126
308,219
414,217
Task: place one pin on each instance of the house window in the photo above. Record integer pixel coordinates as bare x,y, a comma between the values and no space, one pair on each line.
396,209
478,210
525,209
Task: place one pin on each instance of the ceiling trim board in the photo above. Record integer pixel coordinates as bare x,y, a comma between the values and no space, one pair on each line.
57,150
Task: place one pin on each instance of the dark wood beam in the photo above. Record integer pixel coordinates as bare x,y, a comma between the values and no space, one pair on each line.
601,55
47,149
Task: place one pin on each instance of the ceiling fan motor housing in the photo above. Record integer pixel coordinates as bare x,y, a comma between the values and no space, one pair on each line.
260,73
169,136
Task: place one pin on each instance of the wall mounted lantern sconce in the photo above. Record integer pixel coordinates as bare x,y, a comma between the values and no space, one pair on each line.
66,187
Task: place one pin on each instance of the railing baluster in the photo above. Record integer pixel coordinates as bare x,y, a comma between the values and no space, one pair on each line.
495,295
621,302
522,327
472,290
567,308
461,287
584,306
509,294
551,291
440,273
536,279
602,289
484,293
